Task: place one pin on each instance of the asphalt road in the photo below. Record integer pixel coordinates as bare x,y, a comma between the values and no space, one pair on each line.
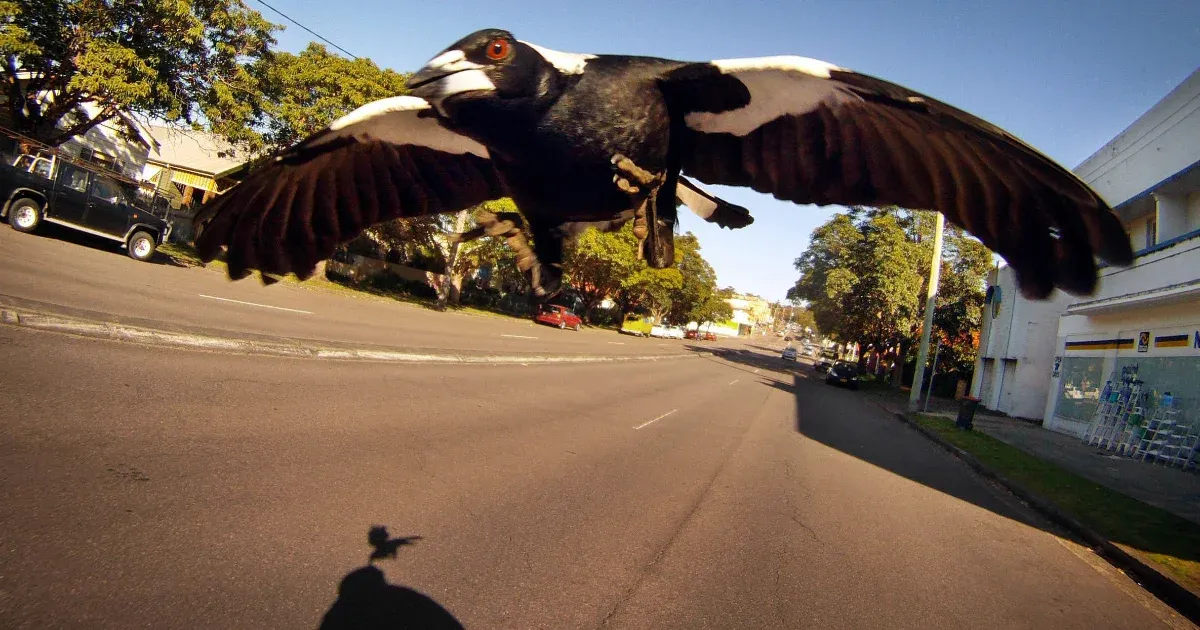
63,272
184,489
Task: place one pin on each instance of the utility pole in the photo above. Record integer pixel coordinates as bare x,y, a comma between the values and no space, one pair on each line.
933,373
935,270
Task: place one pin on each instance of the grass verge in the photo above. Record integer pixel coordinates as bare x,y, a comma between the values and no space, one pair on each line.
1170,541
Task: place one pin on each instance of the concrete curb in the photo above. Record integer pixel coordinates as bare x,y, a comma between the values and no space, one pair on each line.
1175,595
286,347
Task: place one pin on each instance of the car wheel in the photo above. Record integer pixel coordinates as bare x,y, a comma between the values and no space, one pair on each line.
25,215
576,327
562,325
141,246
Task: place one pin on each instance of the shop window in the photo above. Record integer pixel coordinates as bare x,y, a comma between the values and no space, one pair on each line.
1081,381
1167,379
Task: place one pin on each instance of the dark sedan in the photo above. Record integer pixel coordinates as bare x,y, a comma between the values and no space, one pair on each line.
842,373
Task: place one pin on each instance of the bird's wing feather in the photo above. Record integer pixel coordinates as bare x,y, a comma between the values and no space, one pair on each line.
385,160
710,207
809,132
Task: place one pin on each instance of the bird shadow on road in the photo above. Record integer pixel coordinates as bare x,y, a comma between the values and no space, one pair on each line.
367,600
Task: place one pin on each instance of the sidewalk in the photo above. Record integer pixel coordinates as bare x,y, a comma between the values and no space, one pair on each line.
1171,489
1142,518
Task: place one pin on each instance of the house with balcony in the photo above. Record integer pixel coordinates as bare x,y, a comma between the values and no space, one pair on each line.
1135,343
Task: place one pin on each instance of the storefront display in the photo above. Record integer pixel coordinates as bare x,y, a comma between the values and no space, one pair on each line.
1138,393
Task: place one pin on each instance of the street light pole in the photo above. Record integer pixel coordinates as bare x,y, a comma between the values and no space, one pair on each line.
935,271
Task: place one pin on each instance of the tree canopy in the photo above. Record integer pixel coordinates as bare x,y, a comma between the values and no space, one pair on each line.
69,65
864,278
303,93
603,265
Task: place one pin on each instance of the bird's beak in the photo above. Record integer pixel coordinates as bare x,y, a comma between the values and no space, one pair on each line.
448,63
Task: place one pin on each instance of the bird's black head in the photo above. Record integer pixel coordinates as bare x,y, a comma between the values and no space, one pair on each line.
492,66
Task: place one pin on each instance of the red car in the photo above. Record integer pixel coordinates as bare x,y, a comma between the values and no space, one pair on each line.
561,316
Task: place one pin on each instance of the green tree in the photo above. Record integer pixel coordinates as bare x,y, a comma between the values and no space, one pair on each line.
694,300
601,265
715,309
70,65
652,290
597,264
864,276
305,92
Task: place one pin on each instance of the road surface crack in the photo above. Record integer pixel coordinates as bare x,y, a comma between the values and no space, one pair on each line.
808,529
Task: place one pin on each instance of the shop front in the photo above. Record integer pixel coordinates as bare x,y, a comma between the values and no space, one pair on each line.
1132,391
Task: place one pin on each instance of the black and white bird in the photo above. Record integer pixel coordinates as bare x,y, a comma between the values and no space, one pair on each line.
579,139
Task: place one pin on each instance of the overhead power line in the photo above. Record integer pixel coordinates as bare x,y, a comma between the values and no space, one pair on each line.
314,33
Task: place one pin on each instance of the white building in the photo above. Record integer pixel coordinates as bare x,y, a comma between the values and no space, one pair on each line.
1052,359
1016,348
750,313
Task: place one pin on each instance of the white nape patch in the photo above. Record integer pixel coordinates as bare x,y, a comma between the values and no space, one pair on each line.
452,61
396,120
566,62
700,204
778,86
815,67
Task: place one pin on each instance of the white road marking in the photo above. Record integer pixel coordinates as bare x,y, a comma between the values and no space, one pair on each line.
646,424
617,343
756,371
278,308
518,336
734,381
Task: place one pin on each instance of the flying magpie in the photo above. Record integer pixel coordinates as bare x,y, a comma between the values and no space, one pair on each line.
583,139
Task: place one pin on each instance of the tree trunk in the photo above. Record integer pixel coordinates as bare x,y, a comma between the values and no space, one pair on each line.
449,286
898,367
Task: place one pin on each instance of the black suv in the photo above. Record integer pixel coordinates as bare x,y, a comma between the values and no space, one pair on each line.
37,188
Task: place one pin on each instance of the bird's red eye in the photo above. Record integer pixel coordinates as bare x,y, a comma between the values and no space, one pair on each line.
498,49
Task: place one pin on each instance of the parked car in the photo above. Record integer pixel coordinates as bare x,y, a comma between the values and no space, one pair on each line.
664,331
637,325
691,334
37,189
843,373
710,336
789,354
556,315
825,362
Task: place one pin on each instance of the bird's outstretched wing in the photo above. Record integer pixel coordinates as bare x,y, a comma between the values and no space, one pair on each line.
385,160
809,132
710,207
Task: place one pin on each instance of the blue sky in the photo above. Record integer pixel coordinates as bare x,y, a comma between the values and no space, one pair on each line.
1064,76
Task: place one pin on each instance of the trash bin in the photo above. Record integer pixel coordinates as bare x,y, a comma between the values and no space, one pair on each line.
966,412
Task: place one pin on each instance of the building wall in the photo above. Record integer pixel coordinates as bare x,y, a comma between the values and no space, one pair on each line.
1150,174
129,156
1018,353
1193,211
1162,142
